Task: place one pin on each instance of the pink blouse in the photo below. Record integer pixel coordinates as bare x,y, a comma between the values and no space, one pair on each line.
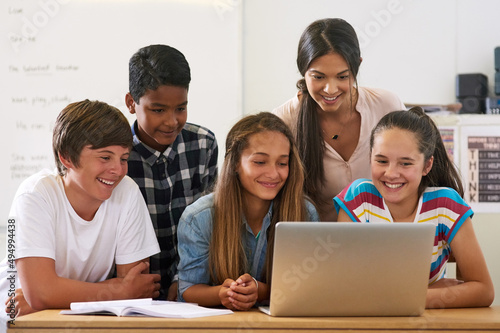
372,105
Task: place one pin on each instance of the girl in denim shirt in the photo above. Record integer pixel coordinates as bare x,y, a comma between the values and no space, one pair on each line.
226,237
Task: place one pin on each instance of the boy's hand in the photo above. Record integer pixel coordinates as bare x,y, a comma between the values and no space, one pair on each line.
21,306
136,284
243,292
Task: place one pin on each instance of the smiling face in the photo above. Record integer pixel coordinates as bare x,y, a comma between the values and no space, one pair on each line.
263,167
329,82
161,115
92,182
397,169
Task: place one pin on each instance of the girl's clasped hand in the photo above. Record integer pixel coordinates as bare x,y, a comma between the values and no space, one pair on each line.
240,294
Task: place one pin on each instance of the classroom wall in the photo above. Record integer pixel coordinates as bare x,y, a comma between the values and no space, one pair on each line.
242,55
57,51
414,48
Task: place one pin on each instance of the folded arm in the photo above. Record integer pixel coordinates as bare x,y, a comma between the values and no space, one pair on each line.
44,289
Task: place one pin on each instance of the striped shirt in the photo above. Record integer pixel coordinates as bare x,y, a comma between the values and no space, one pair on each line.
169,182
440,206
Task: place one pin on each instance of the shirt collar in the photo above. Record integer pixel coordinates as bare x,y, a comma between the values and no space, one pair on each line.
151,155
265,223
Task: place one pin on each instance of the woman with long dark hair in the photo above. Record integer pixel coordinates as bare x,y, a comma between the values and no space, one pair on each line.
331,117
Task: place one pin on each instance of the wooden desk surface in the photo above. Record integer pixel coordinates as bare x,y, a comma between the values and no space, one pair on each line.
474,319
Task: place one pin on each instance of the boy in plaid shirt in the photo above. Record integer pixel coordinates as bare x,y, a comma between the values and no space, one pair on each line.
172,161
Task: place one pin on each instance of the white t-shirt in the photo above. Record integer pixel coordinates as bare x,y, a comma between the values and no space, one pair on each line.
46,225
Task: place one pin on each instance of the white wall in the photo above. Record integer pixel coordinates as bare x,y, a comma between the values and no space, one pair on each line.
414,48
478,34
57,51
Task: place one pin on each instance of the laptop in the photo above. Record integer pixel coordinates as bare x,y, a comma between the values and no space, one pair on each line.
350,269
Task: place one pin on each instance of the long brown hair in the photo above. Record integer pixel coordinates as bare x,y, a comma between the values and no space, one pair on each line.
443,172
331,35
227,257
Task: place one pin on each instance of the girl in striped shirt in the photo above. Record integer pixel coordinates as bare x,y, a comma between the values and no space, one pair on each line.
413,180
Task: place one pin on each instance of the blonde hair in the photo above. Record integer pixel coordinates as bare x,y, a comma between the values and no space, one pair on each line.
227,257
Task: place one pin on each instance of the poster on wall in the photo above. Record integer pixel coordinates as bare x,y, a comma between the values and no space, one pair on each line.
480,166
449,134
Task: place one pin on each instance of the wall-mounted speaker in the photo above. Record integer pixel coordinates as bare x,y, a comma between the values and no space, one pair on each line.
472,85
471,91
497,83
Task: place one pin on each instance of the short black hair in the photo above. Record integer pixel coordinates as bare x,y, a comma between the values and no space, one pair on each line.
156,65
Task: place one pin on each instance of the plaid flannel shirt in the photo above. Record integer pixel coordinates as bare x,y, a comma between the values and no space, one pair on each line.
169,182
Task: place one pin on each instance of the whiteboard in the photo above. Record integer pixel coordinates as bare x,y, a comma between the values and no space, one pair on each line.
55,52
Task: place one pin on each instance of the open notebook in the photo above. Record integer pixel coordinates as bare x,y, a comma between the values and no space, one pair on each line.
144,307
350,269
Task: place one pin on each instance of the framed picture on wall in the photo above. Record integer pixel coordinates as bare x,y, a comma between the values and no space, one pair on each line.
480,167
450,136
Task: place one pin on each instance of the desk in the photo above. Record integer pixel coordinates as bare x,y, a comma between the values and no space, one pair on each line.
475,319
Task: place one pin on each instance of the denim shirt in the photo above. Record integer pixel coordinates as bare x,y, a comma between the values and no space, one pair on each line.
194,234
